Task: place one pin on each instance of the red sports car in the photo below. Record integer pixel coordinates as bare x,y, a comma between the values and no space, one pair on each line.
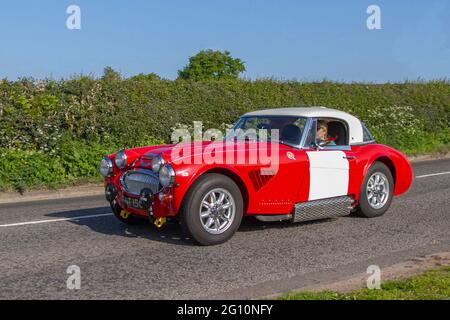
295,164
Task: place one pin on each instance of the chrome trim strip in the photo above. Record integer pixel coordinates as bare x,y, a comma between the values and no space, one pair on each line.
363,143
338,148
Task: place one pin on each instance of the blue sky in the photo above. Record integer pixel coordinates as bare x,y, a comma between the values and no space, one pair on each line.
285,39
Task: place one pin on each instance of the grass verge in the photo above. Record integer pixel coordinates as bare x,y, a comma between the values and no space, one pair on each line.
431,285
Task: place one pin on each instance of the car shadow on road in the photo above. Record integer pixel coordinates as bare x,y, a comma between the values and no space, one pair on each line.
171,233
250,224
109,225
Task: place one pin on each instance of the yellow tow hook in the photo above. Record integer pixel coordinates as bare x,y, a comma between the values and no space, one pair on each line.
160,222
124,214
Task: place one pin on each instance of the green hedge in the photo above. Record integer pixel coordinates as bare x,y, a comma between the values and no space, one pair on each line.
73,162
55,132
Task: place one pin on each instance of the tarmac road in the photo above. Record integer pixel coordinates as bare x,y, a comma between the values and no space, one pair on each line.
40,240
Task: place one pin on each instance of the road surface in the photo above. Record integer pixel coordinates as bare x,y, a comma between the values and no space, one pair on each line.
40,240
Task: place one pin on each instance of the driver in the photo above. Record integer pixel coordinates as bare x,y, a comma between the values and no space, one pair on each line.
322,134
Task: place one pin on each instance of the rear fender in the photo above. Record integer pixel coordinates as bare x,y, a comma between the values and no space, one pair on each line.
399,166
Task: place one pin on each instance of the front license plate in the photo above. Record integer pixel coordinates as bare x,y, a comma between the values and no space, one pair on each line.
132,202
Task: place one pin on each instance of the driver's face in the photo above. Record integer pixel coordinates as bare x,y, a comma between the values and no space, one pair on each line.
322,134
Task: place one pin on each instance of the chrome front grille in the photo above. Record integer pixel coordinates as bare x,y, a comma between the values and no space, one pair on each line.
134,181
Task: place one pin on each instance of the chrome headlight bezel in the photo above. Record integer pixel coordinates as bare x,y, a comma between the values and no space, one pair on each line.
121,159
167,176
106,167
157,163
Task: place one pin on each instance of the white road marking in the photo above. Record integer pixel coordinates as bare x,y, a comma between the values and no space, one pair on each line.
54,220
432,175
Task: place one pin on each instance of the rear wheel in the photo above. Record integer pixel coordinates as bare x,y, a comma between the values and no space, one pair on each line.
376,191
212,210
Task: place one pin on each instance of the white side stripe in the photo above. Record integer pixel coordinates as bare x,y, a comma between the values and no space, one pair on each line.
328,174
55,220
433,175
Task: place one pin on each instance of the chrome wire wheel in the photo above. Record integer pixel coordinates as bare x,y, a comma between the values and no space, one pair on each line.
217,211
377,190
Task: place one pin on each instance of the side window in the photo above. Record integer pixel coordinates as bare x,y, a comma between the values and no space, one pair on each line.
367,136
331,132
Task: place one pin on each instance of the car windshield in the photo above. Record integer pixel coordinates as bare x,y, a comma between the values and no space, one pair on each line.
286,130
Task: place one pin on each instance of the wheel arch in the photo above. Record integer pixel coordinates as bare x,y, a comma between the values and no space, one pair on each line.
236,178
228,173
397,163
388,163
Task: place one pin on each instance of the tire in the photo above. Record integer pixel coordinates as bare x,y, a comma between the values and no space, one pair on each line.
129,220
223,218
369,207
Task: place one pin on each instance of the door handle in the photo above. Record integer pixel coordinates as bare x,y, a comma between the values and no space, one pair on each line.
349,157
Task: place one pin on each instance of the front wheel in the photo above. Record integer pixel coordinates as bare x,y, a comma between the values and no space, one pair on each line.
376,191
213,209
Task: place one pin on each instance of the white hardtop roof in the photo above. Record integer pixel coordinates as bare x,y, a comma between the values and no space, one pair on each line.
316,112
354,124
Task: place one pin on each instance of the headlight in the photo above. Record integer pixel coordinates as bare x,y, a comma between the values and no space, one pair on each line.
167,176
106,167
157,163
121,159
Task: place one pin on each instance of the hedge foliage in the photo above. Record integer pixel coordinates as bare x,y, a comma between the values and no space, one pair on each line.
55,132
